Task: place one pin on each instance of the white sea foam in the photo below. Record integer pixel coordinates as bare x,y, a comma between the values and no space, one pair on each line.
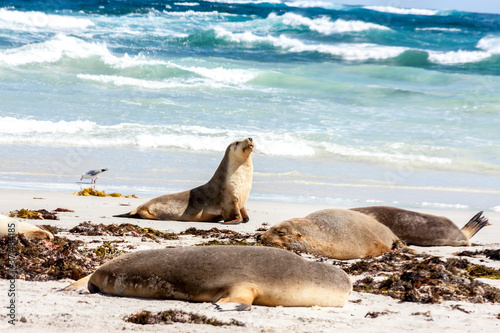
11,125
443,205
28,21
189,4
53,50
220,74
496,209
151,84
489,44
61,46
361,51
313,3
457,57
384,156
325,26
246,1
192,137
196,14
403,11
439,29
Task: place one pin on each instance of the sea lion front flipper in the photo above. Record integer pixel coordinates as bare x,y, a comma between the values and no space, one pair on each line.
233,222
244,215
232,307
237,298
232,215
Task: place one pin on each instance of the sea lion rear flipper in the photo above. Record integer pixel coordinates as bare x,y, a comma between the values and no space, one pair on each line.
79,286
476,223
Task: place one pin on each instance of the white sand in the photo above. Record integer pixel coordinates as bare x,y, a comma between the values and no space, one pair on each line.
45,309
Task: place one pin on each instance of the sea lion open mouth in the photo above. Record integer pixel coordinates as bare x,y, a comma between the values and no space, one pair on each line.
250,145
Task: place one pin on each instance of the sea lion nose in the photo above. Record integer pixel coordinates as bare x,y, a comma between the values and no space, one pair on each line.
250,139
259,236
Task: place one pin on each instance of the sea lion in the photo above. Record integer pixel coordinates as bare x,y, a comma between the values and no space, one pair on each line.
334,233
222,198
424,229
10,226
233,277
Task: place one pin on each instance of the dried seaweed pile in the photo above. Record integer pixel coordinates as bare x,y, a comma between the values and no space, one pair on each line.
424,278
89,191
492,254
41,260
87,228
41,214
177,316
228,237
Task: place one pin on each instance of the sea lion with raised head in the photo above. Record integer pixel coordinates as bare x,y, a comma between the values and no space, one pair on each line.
334,233
222,198
424,229
233,277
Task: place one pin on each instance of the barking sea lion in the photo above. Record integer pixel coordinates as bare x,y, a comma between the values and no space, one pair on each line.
222,198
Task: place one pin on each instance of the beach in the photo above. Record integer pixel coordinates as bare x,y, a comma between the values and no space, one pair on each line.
348,106
44,308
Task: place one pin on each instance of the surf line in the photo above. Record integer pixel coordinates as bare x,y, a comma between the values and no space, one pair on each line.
11,293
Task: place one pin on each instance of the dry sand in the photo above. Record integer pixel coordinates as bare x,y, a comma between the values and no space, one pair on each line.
45,309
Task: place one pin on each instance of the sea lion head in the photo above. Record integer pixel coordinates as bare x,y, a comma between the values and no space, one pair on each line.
287,234
241,149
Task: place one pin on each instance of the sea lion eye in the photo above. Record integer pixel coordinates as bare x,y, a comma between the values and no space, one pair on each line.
281,233
237,143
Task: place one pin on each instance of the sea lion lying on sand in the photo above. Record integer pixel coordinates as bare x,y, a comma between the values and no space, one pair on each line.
334,233
233,277
10,226
222,198
424,229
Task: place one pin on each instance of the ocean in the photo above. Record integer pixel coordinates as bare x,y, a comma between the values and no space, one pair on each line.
348,105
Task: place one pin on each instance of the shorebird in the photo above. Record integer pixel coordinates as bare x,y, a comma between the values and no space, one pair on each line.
92,175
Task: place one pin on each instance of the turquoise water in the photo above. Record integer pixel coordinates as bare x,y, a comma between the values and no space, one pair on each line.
347,105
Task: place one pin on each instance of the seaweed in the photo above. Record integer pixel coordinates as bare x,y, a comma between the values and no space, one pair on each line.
53,230
65,210
375,314
424,278
177,316
230,237
87,228
492,254
240,242
212,233
41,214
42,260
89,191
107,249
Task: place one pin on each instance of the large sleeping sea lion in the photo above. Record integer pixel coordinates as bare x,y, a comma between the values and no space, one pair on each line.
334,233
222,198
10,226
424,229
233,277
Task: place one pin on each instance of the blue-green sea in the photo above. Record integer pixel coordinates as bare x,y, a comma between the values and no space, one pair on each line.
348,105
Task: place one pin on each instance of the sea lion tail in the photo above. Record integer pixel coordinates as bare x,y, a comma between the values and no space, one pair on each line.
476,223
